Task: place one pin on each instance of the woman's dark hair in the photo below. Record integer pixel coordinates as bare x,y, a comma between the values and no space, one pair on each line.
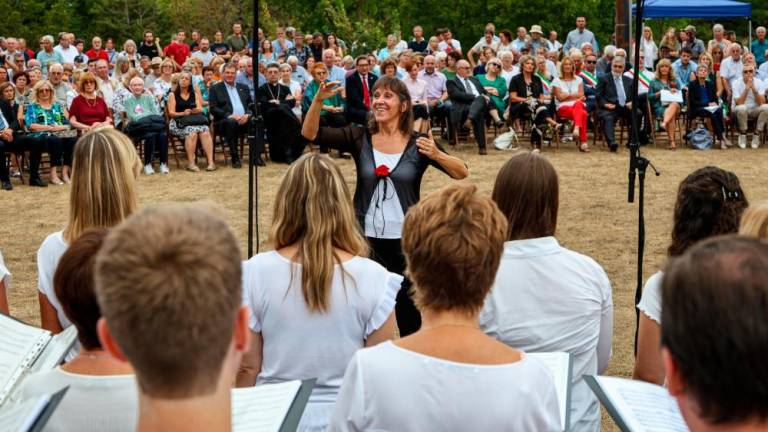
18,75
454,55
387,63
709,202
398,87
527,192
4,86
507,34
74,285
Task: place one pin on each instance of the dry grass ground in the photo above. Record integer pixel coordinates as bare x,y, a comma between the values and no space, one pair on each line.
595,218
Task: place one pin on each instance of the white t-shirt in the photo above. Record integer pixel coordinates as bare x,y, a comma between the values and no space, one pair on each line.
68,54
455,45
739,88
508,75
388,388
48,257
5,275
731,70
385,215
650,301
548,298
570,87
93,403
299,344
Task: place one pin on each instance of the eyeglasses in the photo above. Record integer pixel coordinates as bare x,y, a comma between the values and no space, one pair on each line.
321,73
89,82
44,90
362,64
591,61
494,64
749,71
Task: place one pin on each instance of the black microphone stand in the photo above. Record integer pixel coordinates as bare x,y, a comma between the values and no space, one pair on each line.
637,165
255,137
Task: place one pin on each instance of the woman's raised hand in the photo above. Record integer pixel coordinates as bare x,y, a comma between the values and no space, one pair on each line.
328,90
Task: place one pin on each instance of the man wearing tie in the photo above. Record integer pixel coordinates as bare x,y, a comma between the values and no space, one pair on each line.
613,102
359,86
470,102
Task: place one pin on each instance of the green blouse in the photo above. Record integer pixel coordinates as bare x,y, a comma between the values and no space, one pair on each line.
309,95
499,84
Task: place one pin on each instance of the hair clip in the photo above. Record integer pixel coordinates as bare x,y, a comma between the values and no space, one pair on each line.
729,195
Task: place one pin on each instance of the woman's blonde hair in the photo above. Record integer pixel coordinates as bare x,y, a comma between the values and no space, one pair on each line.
313,208
754,221
104,174
40,84
573,67
84,78
665,62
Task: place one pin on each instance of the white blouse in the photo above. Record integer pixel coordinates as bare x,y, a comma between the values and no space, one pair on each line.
388,388
650,301
299,344
48,257
93,403
547,298
5,275
384,218
571,87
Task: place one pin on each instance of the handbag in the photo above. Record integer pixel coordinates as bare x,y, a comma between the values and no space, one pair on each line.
198,119
700,139
148,124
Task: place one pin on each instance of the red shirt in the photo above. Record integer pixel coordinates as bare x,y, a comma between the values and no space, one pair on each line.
89,112
179,52
100,54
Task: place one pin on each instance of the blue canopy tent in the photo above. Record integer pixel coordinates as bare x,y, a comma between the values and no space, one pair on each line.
700,9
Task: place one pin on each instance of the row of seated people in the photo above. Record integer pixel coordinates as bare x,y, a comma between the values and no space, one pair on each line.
114,287
45,125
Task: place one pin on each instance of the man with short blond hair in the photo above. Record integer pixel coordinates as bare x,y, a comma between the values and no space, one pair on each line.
168,282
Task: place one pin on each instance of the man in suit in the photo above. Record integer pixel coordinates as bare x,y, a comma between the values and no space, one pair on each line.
470,102
360,91
283,128
230,103
613,94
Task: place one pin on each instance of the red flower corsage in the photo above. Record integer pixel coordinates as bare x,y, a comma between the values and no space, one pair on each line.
382,171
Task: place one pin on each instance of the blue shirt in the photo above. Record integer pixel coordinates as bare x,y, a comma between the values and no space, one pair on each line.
758,49
338,74
684,73
234,98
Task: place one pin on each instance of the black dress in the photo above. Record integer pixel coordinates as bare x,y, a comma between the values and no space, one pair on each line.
539,112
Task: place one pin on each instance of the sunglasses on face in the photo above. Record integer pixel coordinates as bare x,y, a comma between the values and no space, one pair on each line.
749,71
44,90
591,62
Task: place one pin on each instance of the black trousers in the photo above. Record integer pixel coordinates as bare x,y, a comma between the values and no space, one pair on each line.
716,118
389,254
60,149
284,132
476,113
540,115
157,141
334,120
609,118
231,130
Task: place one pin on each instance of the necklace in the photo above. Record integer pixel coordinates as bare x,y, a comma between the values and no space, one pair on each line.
88,101
269,87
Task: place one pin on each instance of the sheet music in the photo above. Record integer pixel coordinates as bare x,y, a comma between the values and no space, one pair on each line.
558,364
644,407
56,349
262,408
21,417
667,96
19,341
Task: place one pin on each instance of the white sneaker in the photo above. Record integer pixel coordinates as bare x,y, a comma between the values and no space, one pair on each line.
148,170
755,141
164,169
742,141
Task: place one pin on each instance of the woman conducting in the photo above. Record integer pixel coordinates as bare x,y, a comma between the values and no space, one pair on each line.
390,162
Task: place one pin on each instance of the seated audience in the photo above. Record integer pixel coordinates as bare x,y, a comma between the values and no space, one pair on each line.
283,128
230,104
471,103
102,195
665,80
715,337
358,86
568,92
183,331
48,125
338,300
528,100
13,139
749,103
614,100
452,241
23,94
548,298
185,110
285,79
496,86
332,114
731,67
754,222
141,105
710,202
702,95
102,391
417,88
88,109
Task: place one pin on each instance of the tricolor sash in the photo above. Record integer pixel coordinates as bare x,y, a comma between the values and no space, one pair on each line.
643,78
588,78
544,82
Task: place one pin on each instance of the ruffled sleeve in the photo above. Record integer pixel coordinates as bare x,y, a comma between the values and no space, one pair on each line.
385,304
5,275
250,296
650,302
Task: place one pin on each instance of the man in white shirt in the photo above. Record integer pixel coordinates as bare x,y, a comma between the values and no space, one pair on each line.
730,67
159,262
107,84
553,43
521,40
335,73
67,51
204,52
749,103
449,43
486,41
